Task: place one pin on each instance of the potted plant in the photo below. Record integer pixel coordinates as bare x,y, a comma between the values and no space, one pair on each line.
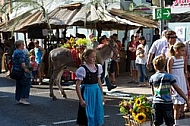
137,110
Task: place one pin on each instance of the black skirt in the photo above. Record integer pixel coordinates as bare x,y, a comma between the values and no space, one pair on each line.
81,117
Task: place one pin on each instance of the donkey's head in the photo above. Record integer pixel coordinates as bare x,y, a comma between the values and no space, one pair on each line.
107,51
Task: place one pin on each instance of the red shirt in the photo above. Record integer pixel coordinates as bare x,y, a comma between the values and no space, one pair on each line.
133,54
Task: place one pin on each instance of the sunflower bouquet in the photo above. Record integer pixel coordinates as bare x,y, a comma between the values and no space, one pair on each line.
139,108
70,44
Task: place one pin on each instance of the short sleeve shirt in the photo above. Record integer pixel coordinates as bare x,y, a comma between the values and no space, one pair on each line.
18,58
162,82
81,73
157,46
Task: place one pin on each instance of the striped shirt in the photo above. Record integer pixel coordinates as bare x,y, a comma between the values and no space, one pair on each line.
178,63
162,82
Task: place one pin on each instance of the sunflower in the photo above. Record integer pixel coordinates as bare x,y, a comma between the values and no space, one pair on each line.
142,110
147,110
139,108
138,102
133,114
140,118
72,40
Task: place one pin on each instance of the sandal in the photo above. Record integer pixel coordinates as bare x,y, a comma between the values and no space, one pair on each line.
132,81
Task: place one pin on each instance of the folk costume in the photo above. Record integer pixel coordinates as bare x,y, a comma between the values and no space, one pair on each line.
93,113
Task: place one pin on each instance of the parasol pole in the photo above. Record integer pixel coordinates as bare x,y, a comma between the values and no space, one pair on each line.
125,36
99,30
25,39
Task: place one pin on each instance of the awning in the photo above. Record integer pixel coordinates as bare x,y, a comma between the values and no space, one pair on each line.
145,22
88,17
23,21
77,14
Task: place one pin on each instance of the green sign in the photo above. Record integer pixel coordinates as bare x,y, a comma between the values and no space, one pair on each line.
162,13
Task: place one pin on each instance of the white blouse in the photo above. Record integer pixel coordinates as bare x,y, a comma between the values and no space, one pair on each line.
142,60
81,72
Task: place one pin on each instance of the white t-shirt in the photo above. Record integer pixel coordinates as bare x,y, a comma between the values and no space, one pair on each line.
142,60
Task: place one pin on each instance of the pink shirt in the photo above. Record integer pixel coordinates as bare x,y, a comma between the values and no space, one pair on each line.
34,65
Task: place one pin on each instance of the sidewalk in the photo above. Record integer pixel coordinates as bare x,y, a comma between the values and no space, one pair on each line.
126,89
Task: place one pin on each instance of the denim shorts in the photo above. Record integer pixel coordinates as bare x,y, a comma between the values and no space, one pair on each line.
133,65
163,111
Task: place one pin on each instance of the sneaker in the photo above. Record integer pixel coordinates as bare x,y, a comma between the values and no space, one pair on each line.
24,102
112,87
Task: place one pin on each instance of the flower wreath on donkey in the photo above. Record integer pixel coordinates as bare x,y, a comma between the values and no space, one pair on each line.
139,108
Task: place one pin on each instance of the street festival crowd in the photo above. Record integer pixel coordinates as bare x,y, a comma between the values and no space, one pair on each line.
171,68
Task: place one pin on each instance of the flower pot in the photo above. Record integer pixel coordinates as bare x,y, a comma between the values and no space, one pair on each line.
130,122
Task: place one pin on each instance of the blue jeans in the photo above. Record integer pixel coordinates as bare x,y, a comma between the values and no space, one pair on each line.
143,72
108,84
22,88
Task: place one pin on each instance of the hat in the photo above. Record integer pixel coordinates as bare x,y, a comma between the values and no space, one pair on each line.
102,38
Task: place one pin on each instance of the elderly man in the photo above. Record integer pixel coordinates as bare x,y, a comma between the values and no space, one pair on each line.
156,48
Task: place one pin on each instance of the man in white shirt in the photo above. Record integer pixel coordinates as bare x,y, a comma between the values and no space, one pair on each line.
156,48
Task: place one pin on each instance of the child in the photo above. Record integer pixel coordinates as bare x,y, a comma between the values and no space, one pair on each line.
34,65
177,67
161,83
91,111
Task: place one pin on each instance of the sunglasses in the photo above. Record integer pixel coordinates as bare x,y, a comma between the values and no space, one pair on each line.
172,37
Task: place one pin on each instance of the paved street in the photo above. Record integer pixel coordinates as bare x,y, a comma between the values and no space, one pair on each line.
43,111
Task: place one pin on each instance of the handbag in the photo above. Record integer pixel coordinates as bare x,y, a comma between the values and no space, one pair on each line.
16,74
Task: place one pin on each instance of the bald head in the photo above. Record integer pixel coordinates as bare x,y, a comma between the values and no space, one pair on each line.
164,33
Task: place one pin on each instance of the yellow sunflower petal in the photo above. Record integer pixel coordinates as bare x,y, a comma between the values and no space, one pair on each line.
140,118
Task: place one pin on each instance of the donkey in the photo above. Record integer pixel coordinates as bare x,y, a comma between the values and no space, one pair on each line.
60,58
